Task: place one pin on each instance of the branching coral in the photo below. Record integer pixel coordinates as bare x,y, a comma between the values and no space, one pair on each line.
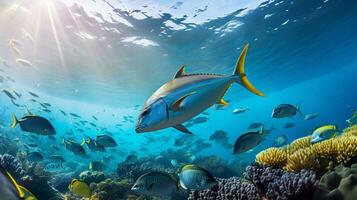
227,189
301,154
300,143
350,131
302,159
346,148
272,156
275,183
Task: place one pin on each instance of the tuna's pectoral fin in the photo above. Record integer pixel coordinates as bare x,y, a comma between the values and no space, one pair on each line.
180,72
222,102
178,103
181,128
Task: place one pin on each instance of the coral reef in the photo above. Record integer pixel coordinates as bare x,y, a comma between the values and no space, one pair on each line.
297,144
350,131
110,189
217,166
339,184
92,177
61,181
32,176
278,184
133,171
272,156
227,189
301,154
37,181
12,165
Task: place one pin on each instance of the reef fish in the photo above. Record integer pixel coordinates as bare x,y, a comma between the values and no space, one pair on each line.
255,125
96,166
280,141
74,147
187,95
80,188
193,177
105,141
10,189
352,120
93,145
286,110
323,133
34,156
131,159
33,94
156,184
8,93
53,167
57,158
34,124
240,110
200,120
311,116
248,141
289,125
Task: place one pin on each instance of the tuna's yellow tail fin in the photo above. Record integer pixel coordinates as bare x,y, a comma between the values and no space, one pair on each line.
15,121
239,71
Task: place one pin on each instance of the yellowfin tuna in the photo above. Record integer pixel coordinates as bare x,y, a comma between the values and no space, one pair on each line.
187,95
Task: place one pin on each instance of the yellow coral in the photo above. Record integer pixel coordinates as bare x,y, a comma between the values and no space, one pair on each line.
301,154
325,149
302,159
272,156
298,144
350,131
346,148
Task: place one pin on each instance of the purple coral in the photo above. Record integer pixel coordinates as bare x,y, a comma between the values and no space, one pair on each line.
280,185
228,189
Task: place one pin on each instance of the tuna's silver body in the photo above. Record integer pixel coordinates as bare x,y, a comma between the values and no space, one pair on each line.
203,90
187,95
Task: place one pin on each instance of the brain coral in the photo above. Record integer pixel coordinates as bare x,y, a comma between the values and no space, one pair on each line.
340,184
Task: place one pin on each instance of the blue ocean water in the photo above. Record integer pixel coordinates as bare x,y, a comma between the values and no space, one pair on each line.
105,58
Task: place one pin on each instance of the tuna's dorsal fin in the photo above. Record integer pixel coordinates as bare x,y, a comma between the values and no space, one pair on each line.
182,128
178,103
180,72
222,102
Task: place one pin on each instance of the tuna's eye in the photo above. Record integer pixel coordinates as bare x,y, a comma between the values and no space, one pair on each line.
147,111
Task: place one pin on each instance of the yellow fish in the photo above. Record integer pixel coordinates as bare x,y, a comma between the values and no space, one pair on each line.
324,133
80,188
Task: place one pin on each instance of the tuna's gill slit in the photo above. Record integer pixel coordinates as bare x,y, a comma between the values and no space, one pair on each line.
166,109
